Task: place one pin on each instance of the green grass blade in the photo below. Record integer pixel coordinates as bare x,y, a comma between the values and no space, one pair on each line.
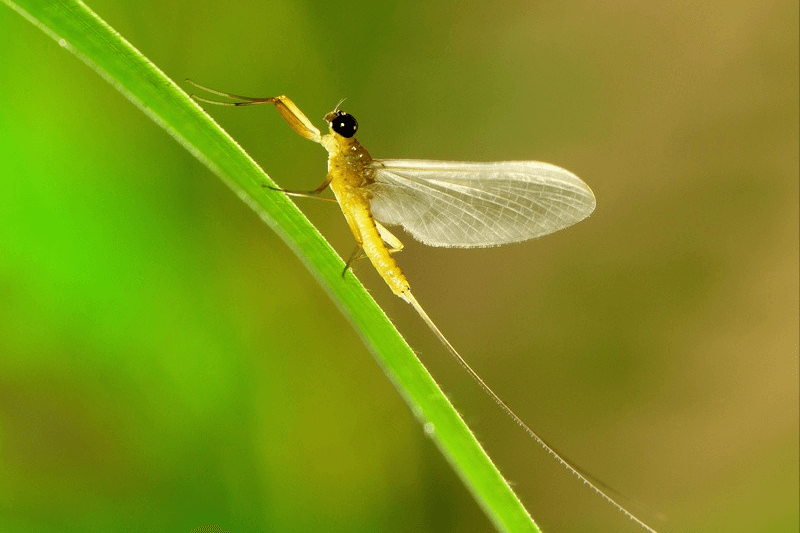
76,28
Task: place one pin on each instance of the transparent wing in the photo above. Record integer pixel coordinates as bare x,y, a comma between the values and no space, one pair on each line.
464,205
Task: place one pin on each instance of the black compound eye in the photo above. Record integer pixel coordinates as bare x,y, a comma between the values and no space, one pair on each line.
344,124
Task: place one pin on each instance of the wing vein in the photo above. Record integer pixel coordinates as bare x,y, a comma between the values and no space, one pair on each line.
477,204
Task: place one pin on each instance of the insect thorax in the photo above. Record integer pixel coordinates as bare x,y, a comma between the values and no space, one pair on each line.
350,163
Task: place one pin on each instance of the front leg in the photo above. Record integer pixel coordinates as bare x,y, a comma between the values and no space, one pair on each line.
290,112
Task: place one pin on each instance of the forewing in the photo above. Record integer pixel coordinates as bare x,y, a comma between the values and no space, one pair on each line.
464,205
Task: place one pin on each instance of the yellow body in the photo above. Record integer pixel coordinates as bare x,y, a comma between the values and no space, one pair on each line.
348,173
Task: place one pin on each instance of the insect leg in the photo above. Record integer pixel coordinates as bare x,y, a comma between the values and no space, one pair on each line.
308,194
388,237
296,119
302,194
357,254
290,112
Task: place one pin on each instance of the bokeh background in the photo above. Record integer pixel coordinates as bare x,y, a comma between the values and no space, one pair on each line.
166,363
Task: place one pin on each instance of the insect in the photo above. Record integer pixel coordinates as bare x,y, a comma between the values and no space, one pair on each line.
440,203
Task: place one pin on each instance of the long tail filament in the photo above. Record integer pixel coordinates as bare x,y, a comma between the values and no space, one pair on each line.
594,485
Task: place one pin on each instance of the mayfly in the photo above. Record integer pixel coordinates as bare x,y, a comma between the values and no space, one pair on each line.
440,203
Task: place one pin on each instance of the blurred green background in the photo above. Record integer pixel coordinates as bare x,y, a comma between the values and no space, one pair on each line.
152,379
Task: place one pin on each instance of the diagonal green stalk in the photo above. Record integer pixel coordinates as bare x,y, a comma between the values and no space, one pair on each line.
77,29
